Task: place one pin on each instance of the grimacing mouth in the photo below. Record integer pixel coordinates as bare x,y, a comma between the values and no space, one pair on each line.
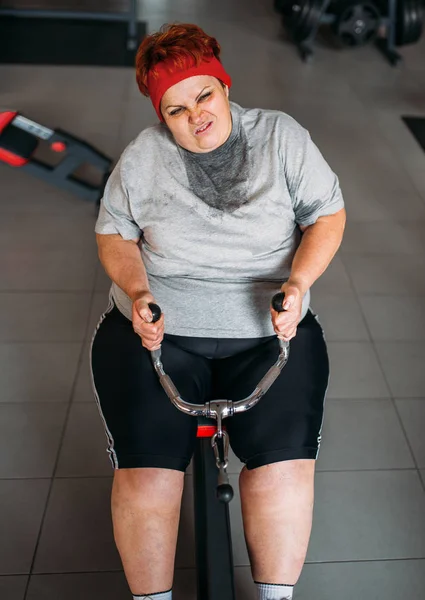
198,129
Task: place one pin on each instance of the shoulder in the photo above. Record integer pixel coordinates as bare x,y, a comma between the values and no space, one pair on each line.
146,148
268,122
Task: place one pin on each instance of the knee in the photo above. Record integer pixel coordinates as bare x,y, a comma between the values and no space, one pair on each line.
148,486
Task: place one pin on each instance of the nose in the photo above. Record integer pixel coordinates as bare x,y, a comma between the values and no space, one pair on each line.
196,116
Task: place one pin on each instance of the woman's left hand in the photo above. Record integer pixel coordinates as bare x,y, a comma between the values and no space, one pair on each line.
285,323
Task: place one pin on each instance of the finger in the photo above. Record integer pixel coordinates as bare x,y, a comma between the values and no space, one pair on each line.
151,346
148,328
149,336
287,325
289,302
288,335
145,314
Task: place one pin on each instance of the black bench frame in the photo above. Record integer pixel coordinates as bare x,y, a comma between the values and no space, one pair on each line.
129,16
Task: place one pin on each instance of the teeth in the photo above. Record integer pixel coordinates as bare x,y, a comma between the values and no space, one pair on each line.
203,128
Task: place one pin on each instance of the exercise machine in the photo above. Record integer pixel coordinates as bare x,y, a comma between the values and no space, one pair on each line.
21,138
214,556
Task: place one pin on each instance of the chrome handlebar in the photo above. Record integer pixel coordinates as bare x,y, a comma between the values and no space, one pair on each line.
221,409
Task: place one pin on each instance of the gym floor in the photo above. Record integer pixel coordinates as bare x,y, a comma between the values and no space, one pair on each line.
368,538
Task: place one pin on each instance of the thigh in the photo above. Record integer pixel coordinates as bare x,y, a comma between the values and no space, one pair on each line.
143,427
286,423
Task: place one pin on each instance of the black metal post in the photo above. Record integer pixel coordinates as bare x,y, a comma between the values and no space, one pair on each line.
215,575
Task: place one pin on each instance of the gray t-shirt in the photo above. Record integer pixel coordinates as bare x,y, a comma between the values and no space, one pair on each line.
219,230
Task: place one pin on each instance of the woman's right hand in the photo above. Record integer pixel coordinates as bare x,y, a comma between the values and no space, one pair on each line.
151,333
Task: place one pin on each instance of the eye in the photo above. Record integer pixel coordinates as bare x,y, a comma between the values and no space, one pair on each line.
204,96
175,112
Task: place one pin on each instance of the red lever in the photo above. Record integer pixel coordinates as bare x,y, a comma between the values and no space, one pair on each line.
6,118
58,146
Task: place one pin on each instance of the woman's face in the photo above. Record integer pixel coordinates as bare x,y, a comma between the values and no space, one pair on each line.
197,111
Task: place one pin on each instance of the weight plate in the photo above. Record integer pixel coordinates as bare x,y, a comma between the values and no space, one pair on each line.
304,18
409,22
284,7
357,23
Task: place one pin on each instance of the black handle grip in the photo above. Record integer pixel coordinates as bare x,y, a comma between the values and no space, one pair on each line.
225,493
277,301
156,312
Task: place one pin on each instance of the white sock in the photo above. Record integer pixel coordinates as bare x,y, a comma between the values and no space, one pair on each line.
272,591
159,596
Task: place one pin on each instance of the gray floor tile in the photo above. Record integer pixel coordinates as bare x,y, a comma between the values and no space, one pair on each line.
376,580
334,280
53,253
26,195
104,586
38,372
22,506
47,233
340,317
83,451
138,114
391,237
412,413
358,516
365,204
403,365
93,117
409,151
244,584
62,270
43,317
84,586
355,372
402,98
79,512
77,532
184,587
13,588
362,434
29,439
386,175
389,275
395,318
368,516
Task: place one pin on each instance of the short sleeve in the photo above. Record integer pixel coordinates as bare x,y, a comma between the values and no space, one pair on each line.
115,216
313,186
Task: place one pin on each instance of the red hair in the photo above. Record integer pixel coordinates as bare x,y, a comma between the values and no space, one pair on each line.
177,44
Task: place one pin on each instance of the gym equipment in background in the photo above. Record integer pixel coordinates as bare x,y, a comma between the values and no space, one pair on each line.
71,161
354,23
107,10
409,23
70,32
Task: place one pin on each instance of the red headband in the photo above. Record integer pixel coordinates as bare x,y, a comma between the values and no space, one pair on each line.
164,75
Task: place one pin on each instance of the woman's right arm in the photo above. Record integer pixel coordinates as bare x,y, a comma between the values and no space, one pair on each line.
123,264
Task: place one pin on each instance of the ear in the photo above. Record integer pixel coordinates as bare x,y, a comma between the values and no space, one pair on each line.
226,89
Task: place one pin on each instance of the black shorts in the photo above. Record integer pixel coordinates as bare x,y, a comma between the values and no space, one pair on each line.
143,427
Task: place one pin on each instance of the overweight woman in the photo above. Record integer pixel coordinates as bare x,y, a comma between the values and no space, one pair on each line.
209,213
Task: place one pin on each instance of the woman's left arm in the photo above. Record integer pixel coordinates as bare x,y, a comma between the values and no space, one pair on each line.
318,246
